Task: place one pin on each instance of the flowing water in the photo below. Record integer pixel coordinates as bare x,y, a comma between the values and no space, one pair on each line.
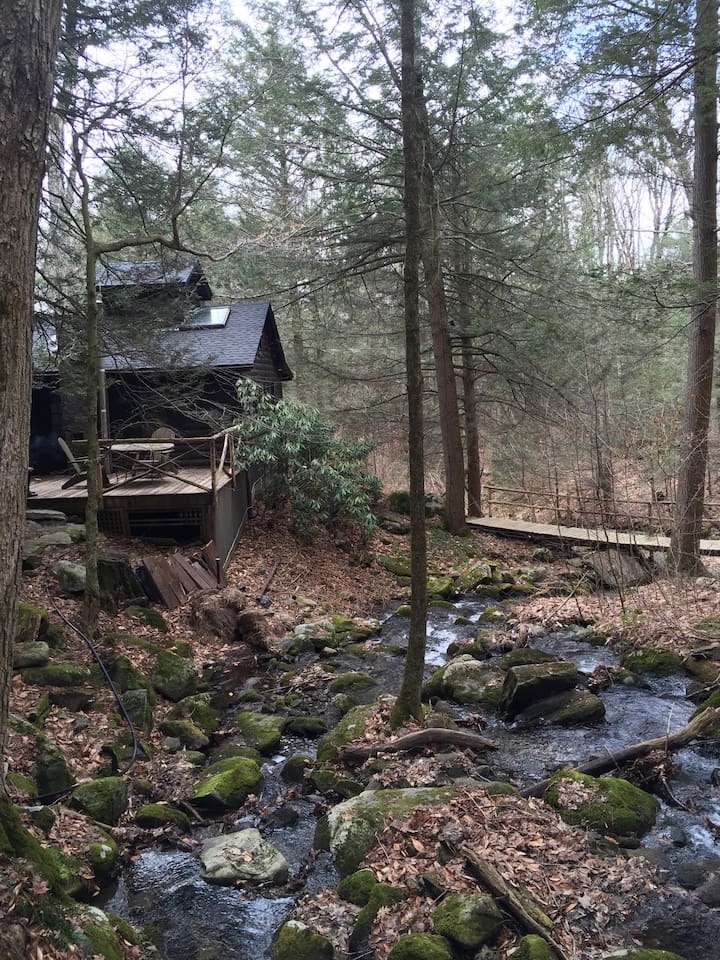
192,920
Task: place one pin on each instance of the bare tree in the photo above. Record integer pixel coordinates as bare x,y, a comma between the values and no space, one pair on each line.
28,46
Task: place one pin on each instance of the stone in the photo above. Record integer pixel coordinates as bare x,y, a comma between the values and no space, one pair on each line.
174,677
351,681
327,779
34,653
51,772
32,623
242,856
103,856
660,662
149,616
190,736
564,709
309,727
527,684
104,799
198,709
617,569
381,895
73,698
350,828
57,675
695,872
421,946
523,657
296,941
293,770
153,815
606,804
473,574
642,954
466,680
350,727
33,550
139,707
70,576
467,919
261,731
118,583
533,947
357,887
227,784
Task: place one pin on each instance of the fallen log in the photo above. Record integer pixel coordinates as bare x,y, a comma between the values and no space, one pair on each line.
670,742
420,738
491,878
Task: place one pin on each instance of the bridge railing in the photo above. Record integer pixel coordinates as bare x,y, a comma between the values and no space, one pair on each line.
588,509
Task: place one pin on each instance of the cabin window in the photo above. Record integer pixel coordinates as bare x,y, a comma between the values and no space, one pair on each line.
202,317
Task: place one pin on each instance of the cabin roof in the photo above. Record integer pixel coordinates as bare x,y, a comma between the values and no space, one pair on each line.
150,273
235,344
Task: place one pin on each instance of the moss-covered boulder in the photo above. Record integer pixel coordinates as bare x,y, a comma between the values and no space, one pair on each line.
348,729
350,629
527,684
174,677
32,623
352,827
227,784
198,709
191,737
51,772
713,730
309,727
58,675
243,856
421,946
261,731
149,616
565,709
153,815
660,662
473,574
642,954
139,707
606,804
381,895
345,682
294,768
440,587
104,799
73,878
533,947
126,676
32,653
103,940
103,856
70,576
296,941
327,779
467,919
523,657
397,566
466,680
357,887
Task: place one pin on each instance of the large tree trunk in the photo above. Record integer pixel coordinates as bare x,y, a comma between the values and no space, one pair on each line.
474,469
28,45
450,431
687,530
408,702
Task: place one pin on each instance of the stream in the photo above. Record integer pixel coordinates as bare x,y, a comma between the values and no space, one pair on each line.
189,919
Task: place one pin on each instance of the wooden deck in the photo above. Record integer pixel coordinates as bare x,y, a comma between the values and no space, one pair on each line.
193,482
525,529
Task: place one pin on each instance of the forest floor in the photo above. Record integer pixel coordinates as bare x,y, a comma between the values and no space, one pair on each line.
307,581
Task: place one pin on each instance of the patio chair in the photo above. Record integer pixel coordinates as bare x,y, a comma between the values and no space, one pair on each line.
79,466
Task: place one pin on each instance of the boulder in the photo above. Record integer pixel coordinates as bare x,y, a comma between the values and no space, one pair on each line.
261,731
533,947
118,583
196,708
32,623
351,828
421,946
296,941
242,856
606,804
564,709
104,799
227,784
527,684
381,895
350,727
473,574
467,919
57,675
34,653
659,662
466,680
138,704
153,815
174,677
191,737
357,887
149,616
103,856
51,773
617,569
70,576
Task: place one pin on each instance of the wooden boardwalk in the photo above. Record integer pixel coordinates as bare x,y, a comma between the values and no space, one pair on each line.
525,529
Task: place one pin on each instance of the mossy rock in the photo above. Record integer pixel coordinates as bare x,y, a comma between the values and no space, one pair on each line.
606,804
104,799
706,671
421,946
404,610
153,815
103,856
474,574
357,887
261,731
350,727
381,895
149,616
353,628
191,737
399,502
524,656
327,779
713,731
642,954
710,626
21,783
467,919
397,566
75,699
103,940
351,828
173,676
71,576
126,676
533,947
660,662
310,727
296,941
196,708
440,587
32,623
227,784
466,680
52,775
352,681
70,872
17,842
57,675
139,707
477,649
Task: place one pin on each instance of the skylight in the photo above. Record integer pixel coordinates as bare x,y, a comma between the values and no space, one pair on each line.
202,317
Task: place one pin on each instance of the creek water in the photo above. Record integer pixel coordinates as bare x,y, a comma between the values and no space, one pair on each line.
189,919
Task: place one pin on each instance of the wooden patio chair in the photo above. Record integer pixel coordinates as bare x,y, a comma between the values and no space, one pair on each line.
79,466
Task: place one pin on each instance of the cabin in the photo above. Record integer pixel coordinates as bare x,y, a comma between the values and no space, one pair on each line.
172,358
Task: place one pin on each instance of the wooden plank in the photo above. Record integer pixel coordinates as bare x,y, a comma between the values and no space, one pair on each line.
210,583
182,573
165,582
199,580
209,557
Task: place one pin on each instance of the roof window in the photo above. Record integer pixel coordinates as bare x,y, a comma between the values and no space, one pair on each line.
204,317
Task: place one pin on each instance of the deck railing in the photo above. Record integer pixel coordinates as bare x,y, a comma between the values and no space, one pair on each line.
581,509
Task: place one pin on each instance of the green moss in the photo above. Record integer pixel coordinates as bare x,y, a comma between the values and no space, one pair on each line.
467,919
404,610
228,784
613,805
713,731
357,887
306,726
660,662
174,677
645,955
22,783
161,815
103,940
524,656
103,855
57,675
104,799
398,566
153,618
351,681
381,895
440,587
533,947
710,626
399,502
295,941
421,946
350,727
261,731
189,735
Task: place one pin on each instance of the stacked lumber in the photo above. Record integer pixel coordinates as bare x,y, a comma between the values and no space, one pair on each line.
176,578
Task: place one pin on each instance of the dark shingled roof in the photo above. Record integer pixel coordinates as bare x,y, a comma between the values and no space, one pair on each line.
234,345
152,274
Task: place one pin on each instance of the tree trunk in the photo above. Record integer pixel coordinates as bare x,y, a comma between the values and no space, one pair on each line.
450,432
28,45
684,555
408,701
474,470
